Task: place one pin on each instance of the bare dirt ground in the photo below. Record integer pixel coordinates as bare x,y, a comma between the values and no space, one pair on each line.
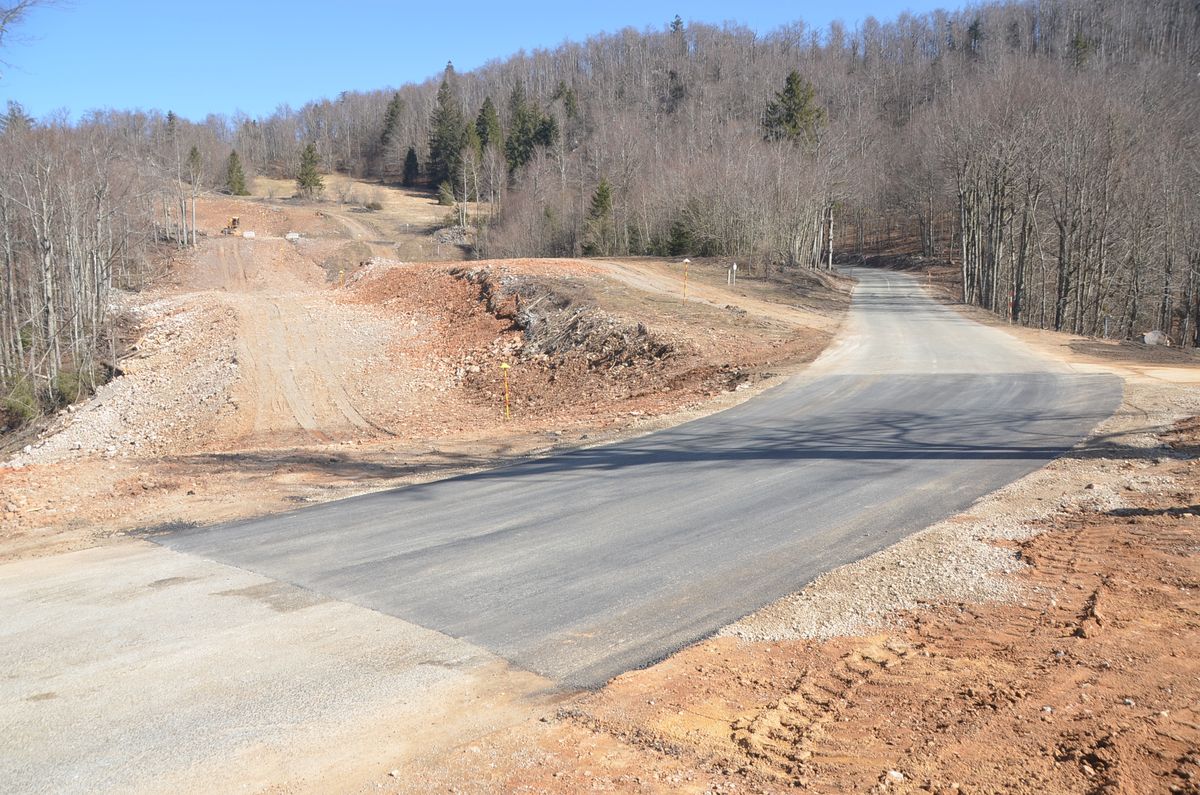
269,372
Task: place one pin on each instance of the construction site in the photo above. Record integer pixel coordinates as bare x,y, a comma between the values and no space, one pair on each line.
632,399
306,352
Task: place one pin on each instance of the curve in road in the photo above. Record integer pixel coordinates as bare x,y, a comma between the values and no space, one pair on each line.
586,564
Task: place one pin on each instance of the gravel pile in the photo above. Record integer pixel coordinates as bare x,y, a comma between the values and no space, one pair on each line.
175,383
958,560
455,235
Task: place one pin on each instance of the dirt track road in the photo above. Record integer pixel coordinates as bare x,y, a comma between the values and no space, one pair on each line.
652,279
296,353
292,374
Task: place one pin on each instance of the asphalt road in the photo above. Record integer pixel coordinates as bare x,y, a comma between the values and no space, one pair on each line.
584,565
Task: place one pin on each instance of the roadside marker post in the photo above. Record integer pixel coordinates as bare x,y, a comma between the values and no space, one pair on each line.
341,277
686,262
504,367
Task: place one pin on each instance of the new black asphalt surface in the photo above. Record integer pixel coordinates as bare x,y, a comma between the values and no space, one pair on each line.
587,564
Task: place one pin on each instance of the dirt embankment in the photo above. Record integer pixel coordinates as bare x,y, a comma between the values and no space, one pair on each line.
575,354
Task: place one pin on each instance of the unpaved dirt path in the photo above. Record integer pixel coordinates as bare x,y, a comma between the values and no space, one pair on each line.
667,280
293,353
291,374
357,229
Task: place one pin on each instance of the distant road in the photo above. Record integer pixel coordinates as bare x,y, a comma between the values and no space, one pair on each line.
586,564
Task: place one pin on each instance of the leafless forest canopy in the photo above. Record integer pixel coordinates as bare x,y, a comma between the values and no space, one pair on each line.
1049,149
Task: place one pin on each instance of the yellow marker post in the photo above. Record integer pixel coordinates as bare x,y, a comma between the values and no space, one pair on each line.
686,262
504,366
342,277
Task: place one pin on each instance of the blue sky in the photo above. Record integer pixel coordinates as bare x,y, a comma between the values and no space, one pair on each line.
218,57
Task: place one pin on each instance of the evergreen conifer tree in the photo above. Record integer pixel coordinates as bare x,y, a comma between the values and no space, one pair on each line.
391,121
195,165
793,115
308,180
600,233
569,99
446,133
235,176
383,159
526,129
412,169
487,125
471,143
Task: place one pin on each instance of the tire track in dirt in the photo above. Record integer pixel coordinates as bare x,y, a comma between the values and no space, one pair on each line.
325,391
355,228
293,374
792,734
291,364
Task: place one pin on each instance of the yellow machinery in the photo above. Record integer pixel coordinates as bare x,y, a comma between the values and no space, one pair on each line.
232,227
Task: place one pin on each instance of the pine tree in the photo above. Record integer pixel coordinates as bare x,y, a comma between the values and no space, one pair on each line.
547,130
975,35
679,36
487,125
446,136
391,121
793,115
600,232
412,169
446,195
1082,49
235,176
528,128
308,180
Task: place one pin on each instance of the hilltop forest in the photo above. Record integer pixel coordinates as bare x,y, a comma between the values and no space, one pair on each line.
1048,148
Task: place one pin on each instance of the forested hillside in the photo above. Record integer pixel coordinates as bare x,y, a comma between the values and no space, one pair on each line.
1049,149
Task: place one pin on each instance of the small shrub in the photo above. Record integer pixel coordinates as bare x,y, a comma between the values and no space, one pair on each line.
20,405
67,388
374,206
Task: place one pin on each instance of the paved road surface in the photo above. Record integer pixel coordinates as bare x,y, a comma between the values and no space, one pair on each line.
584,565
